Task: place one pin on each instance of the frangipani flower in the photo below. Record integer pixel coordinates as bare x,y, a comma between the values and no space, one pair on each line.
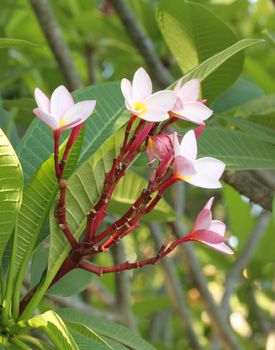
203,172
60,112
209,232
140,101
188,106
158,146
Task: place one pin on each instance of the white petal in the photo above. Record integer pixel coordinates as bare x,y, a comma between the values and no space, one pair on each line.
220,247
195,112
126,89
184,168
188,146
80,111
42,100
177,86
176,144
141,85
190,91
218,226
61,101
211,167
204,181
46,118
164,100
154,115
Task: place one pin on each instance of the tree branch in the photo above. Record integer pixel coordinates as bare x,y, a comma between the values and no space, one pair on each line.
246,183
243,259
57,43
175,290
143,43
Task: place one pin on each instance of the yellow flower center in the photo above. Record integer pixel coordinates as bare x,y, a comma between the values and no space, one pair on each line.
141,108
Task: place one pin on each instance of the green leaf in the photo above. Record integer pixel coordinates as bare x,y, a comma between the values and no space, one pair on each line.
16,43
238,150
52,325
85,343
106,328
259,131
128,190
87,332
263,105
11,183
198,38
273,210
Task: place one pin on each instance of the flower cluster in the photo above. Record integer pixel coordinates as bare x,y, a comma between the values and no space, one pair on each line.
172,158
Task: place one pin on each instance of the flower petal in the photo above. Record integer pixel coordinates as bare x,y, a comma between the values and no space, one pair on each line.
203,220
209,203
48,119
211,167
141,85
188,146
61,101
201,180
80,111
184,168
220,247
163,100
207,236
190,91
195,112
154,115
126,89
42,100
218,226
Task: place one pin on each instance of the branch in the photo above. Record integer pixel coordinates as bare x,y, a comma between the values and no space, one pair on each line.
246,183
243,259
142,43
175,290
123,290
57,43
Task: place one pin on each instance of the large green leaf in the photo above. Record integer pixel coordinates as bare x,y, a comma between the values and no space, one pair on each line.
37,144
106,328
52,325
11,183
263,105
238,150
128,190
194,34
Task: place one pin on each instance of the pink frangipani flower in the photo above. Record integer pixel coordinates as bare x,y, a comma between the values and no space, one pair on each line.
188,106
203,172
60,112
140,101
158,146
209,232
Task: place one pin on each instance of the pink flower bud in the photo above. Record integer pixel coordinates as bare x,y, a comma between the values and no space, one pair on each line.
159,146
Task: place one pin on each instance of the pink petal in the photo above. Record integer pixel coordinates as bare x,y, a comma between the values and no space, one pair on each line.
126,89
220,247
218,226
154,115
195,112
61,101
80,111
141,86
48,119
207,237
188,146
42,100
163,100
177,86
211,167
190,91
209,203
176,144
184,168
203,220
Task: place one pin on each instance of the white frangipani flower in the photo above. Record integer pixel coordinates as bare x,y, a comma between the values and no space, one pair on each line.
60,112
188,106
140,101
203,172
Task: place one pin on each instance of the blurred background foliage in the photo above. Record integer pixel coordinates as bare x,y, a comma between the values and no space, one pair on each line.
102,51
